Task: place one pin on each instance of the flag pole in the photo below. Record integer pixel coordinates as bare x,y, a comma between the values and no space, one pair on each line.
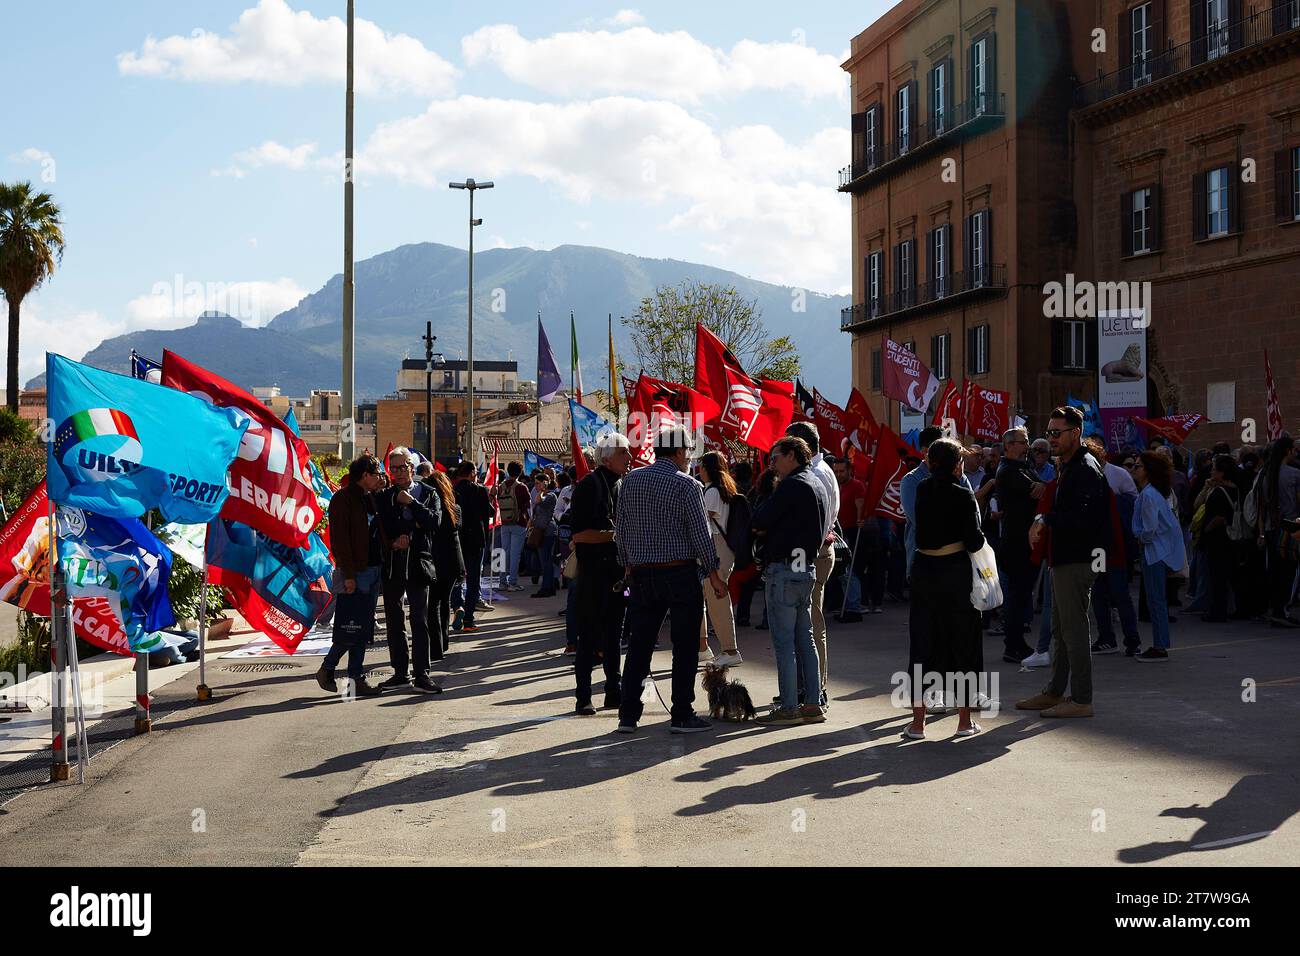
853,560
143,724
58,658
203,691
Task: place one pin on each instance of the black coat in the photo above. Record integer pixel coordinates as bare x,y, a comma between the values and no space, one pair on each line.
419,520
475,513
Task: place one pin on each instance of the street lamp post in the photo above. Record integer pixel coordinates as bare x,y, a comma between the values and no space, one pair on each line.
432,360
348,446
469,309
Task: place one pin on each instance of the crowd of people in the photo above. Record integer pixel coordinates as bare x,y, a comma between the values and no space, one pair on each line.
692,538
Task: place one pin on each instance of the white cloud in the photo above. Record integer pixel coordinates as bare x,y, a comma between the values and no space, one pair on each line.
31,155
175,303
673,66
45,327
765,205
277,155
626,18
274,44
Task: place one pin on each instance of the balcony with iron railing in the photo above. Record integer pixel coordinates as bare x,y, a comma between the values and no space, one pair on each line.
1263,33
957,123
943,292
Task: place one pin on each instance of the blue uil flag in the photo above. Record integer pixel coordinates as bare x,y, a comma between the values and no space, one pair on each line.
120,560
587,425
122,445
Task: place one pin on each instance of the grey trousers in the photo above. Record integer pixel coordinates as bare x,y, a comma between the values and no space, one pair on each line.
1071,641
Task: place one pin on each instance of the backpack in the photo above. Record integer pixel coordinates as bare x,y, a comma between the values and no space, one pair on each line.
1238,528
506,501
739,535
1250,508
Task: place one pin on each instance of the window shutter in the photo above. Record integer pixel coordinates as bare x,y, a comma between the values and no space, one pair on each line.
875,369
1126,47
1155,212
947,253
913,107
898,273
1281,17
930,104
1199,226
1199,44
859,130
1090,345
1282,194
993,70
1058,345
1126,224
949,81
1236,35
1236,217
968,249
934,354
971,345
931,270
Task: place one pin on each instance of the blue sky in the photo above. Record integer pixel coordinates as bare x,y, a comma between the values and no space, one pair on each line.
196,148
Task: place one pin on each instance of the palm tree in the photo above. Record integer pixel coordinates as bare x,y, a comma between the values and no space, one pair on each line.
31,242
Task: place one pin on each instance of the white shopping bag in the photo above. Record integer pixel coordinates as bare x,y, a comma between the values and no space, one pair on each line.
985,591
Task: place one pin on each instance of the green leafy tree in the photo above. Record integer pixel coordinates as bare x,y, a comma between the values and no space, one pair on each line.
663,332
31,244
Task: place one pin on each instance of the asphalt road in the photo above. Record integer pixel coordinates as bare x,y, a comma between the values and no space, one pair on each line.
1177,768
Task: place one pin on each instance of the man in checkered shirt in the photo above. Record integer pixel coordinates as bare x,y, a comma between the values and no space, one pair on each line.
664,545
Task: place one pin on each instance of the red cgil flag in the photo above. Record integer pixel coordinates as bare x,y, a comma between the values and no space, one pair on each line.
905,377
884,490
1274,409
1176,428
949,410
270,480
987,412
654,404
753,412
864,435
834,424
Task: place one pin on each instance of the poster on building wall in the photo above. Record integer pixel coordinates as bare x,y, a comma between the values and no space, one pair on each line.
908,419
1122,374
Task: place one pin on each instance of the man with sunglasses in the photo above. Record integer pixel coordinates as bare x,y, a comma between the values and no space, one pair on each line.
1080,523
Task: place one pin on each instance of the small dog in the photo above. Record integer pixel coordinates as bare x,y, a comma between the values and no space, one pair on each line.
728,699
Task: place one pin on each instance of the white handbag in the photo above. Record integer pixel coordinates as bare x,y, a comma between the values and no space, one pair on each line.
985,591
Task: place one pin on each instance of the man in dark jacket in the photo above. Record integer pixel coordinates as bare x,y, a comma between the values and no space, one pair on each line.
1017,489
1080,526
356,575
475,514
409,513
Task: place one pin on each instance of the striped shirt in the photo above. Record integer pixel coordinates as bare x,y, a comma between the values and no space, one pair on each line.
661,518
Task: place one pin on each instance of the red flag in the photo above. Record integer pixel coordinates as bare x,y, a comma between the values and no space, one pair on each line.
987,412
754,412
884,495
654,404
270,481
949,410
905,377
864,435
490,483
388,451
1176,428
834,424
1274,409
25,576
439,466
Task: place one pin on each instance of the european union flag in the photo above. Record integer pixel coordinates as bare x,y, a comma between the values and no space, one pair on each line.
122,446
120,560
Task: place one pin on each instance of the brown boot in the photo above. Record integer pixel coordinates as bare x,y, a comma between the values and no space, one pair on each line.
1039,702
1068,708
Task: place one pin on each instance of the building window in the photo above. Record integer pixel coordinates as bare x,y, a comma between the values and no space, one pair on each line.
939,259
977,350
1142,39
872,133
1216,202
1295,155
979,249
1074,347
1286,178
1295,13
905,273
875,282
1142,221
940,349
903,133
1216,28
875,369
939,96
980,84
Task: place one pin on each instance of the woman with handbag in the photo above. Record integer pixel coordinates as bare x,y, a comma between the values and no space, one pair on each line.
1156,527
719,494
542,532
946,635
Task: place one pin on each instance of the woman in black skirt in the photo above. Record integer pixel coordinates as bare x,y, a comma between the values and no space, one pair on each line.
449,566
946,637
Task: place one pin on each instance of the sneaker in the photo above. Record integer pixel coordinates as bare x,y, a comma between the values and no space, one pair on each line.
361,689
781,718
812,714
1037,659
1132,650
1014,655
728,659
570,650
1151,655
625,728
1068,708
326,680
984,702
1104,647
935,704
397,680
482,605
585,710
706,657
694,725
458,621
515,587
425,686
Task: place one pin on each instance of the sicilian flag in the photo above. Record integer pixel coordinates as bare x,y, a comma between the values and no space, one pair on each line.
119,561
548,374
1175,428
146,369
1273,408
122,445
575,367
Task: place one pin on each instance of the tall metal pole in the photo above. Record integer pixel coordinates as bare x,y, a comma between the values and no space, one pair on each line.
470,453
59,660
428,384
348,434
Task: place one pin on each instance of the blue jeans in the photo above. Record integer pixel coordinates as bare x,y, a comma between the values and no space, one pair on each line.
354,621
789,616
1154,576
511,537
1111,589
1045,625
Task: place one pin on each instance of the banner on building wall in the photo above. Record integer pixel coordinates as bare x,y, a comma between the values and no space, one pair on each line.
1122,374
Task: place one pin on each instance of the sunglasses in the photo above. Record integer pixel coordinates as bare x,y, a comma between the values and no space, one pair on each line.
1058,432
